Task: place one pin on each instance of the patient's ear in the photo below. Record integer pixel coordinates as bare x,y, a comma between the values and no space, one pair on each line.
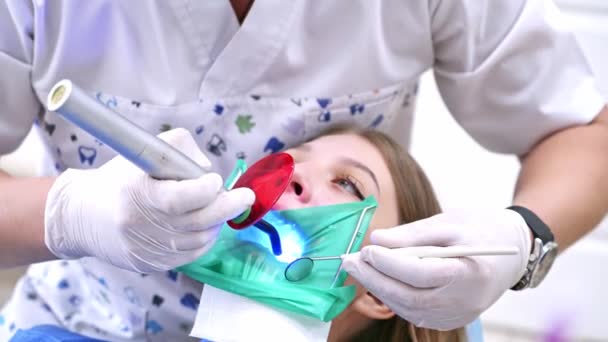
368,305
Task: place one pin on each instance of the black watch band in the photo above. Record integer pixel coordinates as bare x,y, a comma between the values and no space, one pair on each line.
537,226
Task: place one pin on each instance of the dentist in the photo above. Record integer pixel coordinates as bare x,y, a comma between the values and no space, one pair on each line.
242,79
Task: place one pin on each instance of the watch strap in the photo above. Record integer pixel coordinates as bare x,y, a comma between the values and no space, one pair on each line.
537,226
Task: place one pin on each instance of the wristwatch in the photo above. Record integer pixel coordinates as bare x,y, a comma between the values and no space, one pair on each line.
543,253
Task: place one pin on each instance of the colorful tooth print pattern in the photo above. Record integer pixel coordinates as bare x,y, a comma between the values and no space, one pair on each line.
99,300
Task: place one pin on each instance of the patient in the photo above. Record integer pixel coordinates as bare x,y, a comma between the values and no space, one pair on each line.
346,165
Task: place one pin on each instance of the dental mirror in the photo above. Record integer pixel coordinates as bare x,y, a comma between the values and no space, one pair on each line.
302,267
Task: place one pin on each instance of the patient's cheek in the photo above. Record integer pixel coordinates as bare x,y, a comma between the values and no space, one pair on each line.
352,281
367,239
289,200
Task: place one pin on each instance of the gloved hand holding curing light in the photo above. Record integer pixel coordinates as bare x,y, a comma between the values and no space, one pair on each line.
119,214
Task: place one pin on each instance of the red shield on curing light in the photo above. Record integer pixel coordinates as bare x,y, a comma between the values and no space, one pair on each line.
268,178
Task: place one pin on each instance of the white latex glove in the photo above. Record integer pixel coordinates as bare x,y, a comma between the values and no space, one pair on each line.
119,214
443,293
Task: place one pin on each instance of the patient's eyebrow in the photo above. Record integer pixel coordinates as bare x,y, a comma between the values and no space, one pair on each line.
358,165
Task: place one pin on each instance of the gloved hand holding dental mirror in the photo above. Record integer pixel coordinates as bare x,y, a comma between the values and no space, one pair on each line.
303,266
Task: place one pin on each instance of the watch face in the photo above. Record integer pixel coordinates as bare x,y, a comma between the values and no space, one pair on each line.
547,257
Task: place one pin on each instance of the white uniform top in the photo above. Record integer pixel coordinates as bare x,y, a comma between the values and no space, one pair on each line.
507,70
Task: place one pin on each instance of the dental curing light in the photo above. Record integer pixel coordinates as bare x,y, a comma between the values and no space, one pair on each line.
268,178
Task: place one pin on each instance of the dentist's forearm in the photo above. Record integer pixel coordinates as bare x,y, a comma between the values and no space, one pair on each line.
564,180
22,202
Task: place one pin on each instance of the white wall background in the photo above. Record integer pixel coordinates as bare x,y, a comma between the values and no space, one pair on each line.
464,174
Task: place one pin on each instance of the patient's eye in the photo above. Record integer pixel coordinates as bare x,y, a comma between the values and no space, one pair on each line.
349,184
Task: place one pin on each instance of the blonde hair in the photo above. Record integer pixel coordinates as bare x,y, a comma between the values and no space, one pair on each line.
416,200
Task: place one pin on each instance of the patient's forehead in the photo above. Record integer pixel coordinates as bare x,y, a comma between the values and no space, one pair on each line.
349,145
344,144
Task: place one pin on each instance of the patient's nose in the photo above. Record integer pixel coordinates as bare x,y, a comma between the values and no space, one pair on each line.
297,194
300,187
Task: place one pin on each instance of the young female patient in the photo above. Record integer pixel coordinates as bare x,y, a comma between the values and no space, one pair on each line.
345,165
